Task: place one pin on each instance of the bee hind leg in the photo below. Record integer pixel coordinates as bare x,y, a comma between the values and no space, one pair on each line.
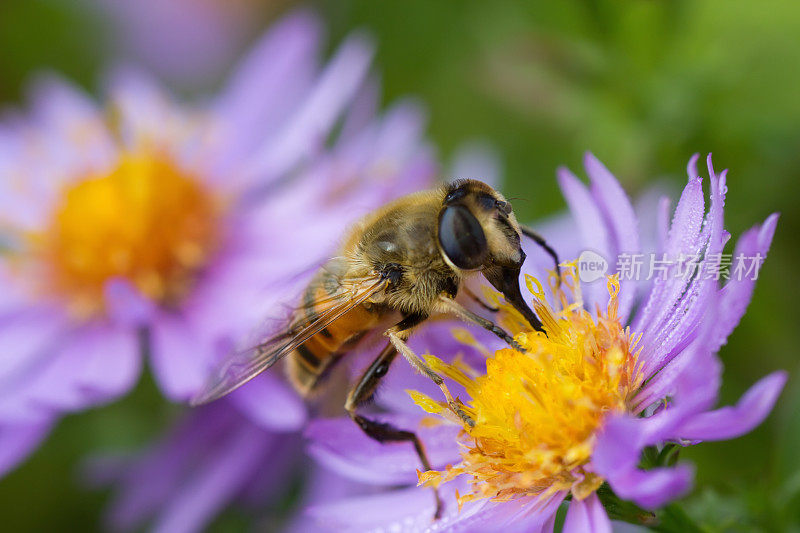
381,431
448,305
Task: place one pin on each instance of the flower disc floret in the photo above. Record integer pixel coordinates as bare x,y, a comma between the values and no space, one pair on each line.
537,413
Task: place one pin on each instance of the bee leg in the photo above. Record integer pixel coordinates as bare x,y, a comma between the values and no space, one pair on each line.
538,239
398,337
381,431
448,305
477,299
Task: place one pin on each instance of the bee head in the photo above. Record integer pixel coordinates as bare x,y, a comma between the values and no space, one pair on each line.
477,228
478,232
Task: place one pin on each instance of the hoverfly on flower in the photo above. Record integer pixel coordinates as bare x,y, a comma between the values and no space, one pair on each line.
399,266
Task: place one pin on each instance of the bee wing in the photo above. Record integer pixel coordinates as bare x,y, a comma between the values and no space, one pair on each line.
243,366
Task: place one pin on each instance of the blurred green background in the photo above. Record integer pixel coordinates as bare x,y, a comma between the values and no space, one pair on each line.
642,84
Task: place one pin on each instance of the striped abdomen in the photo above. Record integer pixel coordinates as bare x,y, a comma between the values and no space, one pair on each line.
310,363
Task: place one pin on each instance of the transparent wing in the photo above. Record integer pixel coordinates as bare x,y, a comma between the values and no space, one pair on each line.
243,366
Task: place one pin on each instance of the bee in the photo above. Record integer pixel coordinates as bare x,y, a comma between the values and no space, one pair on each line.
399,266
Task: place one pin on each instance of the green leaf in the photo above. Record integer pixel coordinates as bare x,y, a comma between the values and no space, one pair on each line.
619,509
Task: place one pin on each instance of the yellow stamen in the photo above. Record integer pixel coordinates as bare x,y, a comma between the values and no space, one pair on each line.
537,413
146,221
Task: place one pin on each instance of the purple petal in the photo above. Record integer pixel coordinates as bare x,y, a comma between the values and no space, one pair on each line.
592,229
401,130
363,110
587,516
24,337
113,363
145,110
410,509
93,365
19,440
524,515
692,377
268,84
179,358
618,445
65,113
271,403
386,159
13,297
147,481
322,487
663,222
327,486
186,43
683,235
680,311
731,422
736,294
406,509
618,211
584,210
61,104
340,445
126,305
309,126
213,484
653,488
617,453
282,460
528,514
691,166
280,56
559,231
652,229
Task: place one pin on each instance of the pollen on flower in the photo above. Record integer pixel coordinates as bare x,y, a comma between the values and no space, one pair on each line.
146,221
537,413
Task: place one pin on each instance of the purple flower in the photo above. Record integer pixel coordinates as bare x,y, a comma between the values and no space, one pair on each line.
147,225
577,409
213,458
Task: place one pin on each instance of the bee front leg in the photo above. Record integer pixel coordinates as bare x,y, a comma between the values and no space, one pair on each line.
448,305
478,300
381,431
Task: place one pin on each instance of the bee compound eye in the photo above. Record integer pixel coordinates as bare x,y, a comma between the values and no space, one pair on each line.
462,238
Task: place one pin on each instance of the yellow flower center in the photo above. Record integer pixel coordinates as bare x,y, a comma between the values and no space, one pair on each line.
145,221
537,413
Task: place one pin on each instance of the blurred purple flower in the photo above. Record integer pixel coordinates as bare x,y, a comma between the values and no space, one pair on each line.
150,225
187,42
213,458
660,382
